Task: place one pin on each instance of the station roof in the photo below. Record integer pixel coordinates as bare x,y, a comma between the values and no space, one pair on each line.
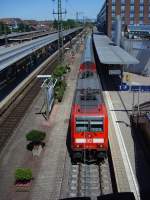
111,54
12,35
30,36
10,55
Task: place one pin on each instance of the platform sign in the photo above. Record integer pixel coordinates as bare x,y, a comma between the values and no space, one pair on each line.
114,72
124,87
134,88
48,94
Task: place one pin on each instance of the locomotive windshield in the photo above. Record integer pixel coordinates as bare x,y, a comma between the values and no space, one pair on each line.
89,125
82,126
96,126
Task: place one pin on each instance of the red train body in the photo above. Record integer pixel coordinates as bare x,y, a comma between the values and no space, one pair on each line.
89,119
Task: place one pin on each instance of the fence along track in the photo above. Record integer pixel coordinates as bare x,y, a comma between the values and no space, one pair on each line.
90,180
10,122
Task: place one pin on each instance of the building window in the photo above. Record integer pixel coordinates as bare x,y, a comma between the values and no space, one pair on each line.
122,8
141,22
122,14
131,15
131,8
131,1
113,14
141,2
141,14
122,1
113,8
131,22
113,2
141,8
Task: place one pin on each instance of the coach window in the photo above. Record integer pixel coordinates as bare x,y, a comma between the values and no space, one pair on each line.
96,126
82,126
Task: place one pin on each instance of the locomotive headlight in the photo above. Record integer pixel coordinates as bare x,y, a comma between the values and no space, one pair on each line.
80,140
98,140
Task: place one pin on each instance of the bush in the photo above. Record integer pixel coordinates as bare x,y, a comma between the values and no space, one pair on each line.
60,89
59,71
23,174
35,136
60,94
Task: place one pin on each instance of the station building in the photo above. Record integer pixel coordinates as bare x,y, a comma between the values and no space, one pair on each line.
132,12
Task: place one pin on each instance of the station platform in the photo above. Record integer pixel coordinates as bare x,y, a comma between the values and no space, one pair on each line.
130,164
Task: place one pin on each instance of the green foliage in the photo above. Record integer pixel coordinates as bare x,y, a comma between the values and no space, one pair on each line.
61,83
70,23
55,24
59,71
22,174
4,29
35,136
23,28
59,94
60,89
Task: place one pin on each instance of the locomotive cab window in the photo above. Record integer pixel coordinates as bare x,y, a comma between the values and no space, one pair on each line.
82,126
96,126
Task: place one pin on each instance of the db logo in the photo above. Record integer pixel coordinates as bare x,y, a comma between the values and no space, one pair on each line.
89,140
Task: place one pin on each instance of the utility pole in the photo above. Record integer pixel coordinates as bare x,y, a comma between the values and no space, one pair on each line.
77,16
59,13
6,39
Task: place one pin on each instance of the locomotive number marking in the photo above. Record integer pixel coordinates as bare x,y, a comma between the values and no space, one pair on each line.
89,140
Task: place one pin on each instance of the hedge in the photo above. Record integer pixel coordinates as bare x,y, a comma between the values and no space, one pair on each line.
35,136
22,174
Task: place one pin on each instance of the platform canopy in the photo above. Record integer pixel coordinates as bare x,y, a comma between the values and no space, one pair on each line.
111,54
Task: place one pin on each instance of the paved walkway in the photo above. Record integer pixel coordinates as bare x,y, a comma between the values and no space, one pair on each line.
48,168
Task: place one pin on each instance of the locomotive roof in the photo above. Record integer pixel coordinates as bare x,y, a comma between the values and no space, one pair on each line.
88,55
87,80
88,91
88,100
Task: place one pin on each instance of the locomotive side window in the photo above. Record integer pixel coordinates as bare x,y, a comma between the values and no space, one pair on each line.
82,126
96,126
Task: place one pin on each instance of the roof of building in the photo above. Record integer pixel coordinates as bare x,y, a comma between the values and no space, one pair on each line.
12,35
109,53
10,55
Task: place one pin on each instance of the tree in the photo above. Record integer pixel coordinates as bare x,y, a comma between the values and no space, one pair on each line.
4,29
21,27
55,24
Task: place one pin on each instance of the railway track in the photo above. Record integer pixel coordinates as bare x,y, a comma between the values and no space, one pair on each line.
11,120
90,180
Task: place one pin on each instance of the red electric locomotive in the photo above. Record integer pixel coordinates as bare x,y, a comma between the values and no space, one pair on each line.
89,120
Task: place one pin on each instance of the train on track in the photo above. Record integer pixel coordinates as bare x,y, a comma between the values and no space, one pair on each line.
89,118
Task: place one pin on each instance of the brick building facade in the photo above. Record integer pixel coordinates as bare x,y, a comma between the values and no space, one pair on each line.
132,12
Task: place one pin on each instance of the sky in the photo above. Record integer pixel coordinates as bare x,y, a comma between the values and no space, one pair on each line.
43,9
